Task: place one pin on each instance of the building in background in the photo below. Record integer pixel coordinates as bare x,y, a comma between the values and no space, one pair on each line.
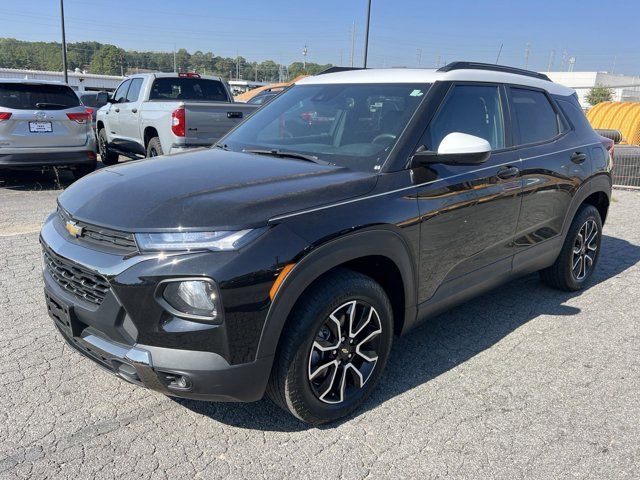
78,80
625,88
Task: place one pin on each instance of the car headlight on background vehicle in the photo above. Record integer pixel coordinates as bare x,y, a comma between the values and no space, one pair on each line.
192,298
186,241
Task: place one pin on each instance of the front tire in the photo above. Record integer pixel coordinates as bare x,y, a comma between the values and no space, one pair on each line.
580,252
154,148
108,156
333,352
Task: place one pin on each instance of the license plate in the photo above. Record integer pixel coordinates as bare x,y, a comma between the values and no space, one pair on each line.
40,127
59,312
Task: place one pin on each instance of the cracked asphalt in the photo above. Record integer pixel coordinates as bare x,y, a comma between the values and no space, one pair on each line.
523,382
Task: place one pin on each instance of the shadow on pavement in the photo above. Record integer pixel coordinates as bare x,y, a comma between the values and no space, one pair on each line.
443,342
43,179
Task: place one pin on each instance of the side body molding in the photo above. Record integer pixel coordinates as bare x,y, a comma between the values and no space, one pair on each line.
379,242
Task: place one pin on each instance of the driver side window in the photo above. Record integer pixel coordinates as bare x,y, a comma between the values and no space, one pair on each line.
471,109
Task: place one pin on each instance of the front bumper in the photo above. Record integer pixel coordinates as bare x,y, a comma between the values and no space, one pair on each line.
208,376
141,343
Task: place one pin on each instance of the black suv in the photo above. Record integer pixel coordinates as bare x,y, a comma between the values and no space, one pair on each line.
350,208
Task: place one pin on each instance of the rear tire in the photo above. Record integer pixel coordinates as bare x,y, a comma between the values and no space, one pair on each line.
154,148
580,252
84,169
108,156
317,376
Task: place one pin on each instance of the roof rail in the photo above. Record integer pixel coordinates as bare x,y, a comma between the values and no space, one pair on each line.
495,68
339,69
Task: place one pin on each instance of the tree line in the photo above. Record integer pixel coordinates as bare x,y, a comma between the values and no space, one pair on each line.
109,59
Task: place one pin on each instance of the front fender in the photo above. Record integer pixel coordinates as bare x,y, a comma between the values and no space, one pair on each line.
380,242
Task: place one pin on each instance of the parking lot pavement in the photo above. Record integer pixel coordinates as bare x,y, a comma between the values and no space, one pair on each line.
524,382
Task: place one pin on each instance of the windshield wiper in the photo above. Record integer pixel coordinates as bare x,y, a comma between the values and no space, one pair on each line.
285,154
222,146
50,105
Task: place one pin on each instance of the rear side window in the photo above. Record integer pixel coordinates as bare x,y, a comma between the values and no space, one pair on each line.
24,96
134,90
535,119
472,109
170,88
575,115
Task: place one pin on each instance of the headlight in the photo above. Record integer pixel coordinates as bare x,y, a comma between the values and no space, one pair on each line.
193,298
219,241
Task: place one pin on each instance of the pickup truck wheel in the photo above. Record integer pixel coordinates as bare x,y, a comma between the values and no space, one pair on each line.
579,255
108,156
84,169
154,148
331,357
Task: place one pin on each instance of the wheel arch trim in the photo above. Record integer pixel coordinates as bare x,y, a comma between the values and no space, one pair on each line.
377,242
601,183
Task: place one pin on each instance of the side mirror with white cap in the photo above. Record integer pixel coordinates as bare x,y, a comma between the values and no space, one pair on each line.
455,149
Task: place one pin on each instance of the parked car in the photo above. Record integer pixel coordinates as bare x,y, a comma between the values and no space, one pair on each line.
43,124
285,259
93,102
162,113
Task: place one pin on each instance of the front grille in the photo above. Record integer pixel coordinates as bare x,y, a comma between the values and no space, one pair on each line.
75,279
122,242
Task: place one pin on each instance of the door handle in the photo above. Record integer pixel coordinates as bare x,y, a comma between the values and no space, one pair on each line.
505,173
117,110
234,114
134,110
578,157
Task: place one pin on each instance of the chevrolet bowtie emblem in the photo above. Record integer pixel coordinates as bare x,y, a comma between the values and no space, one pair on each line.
73,229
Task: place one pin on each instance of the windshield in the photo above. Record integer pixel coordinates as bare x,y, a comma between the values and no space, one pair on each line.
25,96
355,126
184,88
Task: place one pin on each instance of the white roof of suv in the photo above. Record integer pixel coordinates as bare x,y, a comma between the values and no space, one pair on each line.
423,75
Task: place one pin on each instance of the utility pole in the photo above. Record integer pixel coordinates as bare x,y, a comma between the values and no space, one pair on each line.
499,53
366,34
64,44
304,58
418,56
526,56
613,68
353,41
552,57
237,66
572,62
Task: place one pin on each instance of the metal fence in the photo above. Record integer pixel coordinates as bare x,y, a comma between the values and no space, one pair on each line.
626,166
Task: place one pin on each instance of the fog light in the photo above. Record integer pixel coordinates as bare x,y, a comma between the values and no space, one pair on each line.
197,298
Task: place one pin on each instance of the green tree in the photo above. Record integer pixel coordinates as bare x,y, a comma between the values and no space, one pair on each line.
108,60
599,94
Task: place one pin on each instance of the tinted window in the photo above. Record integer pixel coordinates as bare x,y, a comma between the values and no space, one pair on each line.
89,100
534,117
188,89
353,125
575,115
134,90
121,93
472,109
42,97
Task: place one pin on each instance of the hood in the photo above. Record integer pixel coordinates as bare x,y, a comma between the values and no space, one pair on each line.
208,189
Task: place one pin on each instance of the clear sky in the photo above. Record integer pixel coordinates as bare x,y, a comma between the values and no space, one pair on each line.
599,35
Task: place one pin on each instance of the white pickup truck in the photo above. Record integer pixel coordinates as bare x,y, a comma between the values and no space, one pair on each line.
163,113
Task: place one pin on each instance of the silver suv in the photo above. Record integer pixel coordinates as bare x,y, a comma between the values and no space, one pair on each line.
43,124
